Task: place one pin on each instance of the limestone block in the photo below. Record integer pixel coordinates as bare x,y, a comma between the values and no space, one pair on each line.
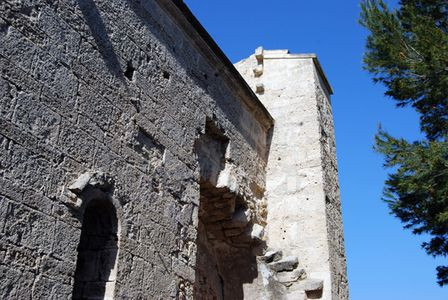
257,232
309,285
227,180
296,295
259,52
273,255
81,182
182,269
258,70
259,88
288,263
289,277
242,241
215,235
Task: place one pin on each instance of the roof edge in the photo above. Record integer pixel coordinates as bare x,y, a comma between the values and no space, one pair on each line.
322,74
181,14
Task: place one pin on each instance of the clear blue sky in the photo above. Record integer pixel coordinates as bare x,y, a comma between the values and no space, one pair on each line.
384,261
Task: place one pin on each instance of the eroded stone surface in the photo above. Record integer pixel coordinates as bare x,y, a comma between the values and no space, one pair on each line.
273,255
126,101
297,295
309,285
304,214
125,88
292,276
288,263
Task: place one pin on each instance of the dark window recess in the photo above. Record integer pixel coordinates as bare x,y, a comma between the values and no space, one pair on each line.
97,252
129,73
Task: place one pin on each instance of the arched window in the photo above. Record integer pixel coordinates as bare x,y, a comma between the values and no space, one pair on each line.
96,265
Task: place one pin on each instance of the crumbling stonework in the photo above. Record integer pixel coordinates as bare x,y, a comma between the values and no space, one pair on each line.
134,160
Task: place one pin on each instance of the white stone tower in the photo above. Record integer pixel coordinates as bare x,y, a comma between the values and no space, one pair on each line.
302,191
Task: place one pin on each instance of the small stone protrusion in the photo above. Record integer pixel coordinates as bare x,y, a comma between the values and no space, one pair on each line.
259,54
98,180
288,263
71,193
257,232
273,255
309,285
227,179
290,277
296,295
259,88
81,182
258,70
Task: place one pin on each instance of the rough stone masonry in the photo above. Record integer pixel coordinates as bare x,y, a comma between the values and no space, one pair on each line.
137,163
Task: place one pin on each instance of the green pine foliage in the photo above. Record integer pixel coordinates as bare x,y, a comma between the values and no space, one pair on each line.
407,51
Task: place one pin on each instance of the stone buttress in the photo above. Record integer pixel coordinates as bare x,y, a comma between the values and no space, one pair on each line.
302,192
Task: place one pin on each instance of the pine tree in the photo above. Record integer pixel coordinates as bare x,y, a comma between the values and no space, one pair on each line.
407,51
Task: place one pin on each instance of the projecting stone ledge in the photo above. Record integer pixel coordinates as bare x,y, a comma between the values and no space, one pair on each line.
98,182
273,255
81,182
288,263
296,295
258,70
290,277
259,88
308,285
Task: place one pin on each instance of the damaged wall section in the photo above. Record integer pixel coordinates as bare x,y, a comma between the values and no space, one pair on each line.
228,234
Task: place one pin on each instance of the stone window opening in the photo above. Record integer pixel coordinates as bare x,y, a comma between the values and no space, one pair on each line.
96,266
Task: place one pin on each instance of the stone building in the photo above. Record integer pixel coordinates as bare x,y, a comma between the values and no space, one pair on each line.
137,163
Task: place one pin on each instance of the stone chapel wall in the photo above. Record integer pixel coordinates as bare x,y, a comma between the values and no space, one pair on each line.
105,100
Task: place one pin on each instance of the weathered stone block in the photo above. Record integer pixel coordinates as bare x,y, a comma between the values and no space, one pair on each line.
66,239
292,276
257,232
273,255
80,183
137,90
288,263
309,285
296,295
